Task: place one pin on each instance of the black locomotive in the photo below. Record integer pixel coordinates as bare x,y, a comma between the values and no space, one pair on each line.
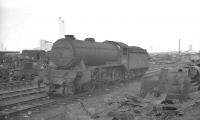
82,65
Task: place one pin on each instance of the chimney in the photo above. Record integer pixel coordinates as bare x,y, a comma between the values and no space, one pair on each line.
70,37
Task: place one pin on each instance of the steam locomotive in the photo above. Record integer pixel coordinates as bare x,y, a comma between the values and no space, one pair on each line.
79,65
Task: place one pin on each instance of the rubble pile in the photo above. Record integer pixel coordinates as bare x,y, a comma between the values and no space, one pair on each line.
149,108
164,97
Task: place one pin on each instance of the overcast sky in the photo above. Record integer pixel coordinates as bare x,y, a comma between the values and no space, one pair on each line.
144,23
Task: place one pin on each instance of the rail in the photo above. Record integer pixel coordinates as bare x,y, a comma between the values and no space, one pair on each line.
16,85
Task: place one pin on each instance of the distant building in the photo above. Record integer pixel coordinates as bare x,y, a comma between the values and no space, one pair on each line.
44,45
187,57
1,46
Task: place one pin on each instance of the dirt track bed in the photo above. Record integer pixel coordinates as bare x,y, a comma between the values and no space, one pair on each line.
97,103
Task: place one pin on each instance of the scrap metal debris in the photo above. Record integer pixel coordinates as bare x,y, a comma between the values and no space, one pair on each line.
132,107
165,98
140,108
155,104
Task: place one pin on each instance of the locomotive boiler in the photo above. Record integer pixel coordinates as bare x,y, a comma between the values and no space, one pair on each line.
69,51
84,65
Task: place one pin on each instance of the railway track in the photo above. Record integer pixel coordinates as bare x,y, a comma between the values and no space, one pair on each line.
16,85
17,101
6,95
